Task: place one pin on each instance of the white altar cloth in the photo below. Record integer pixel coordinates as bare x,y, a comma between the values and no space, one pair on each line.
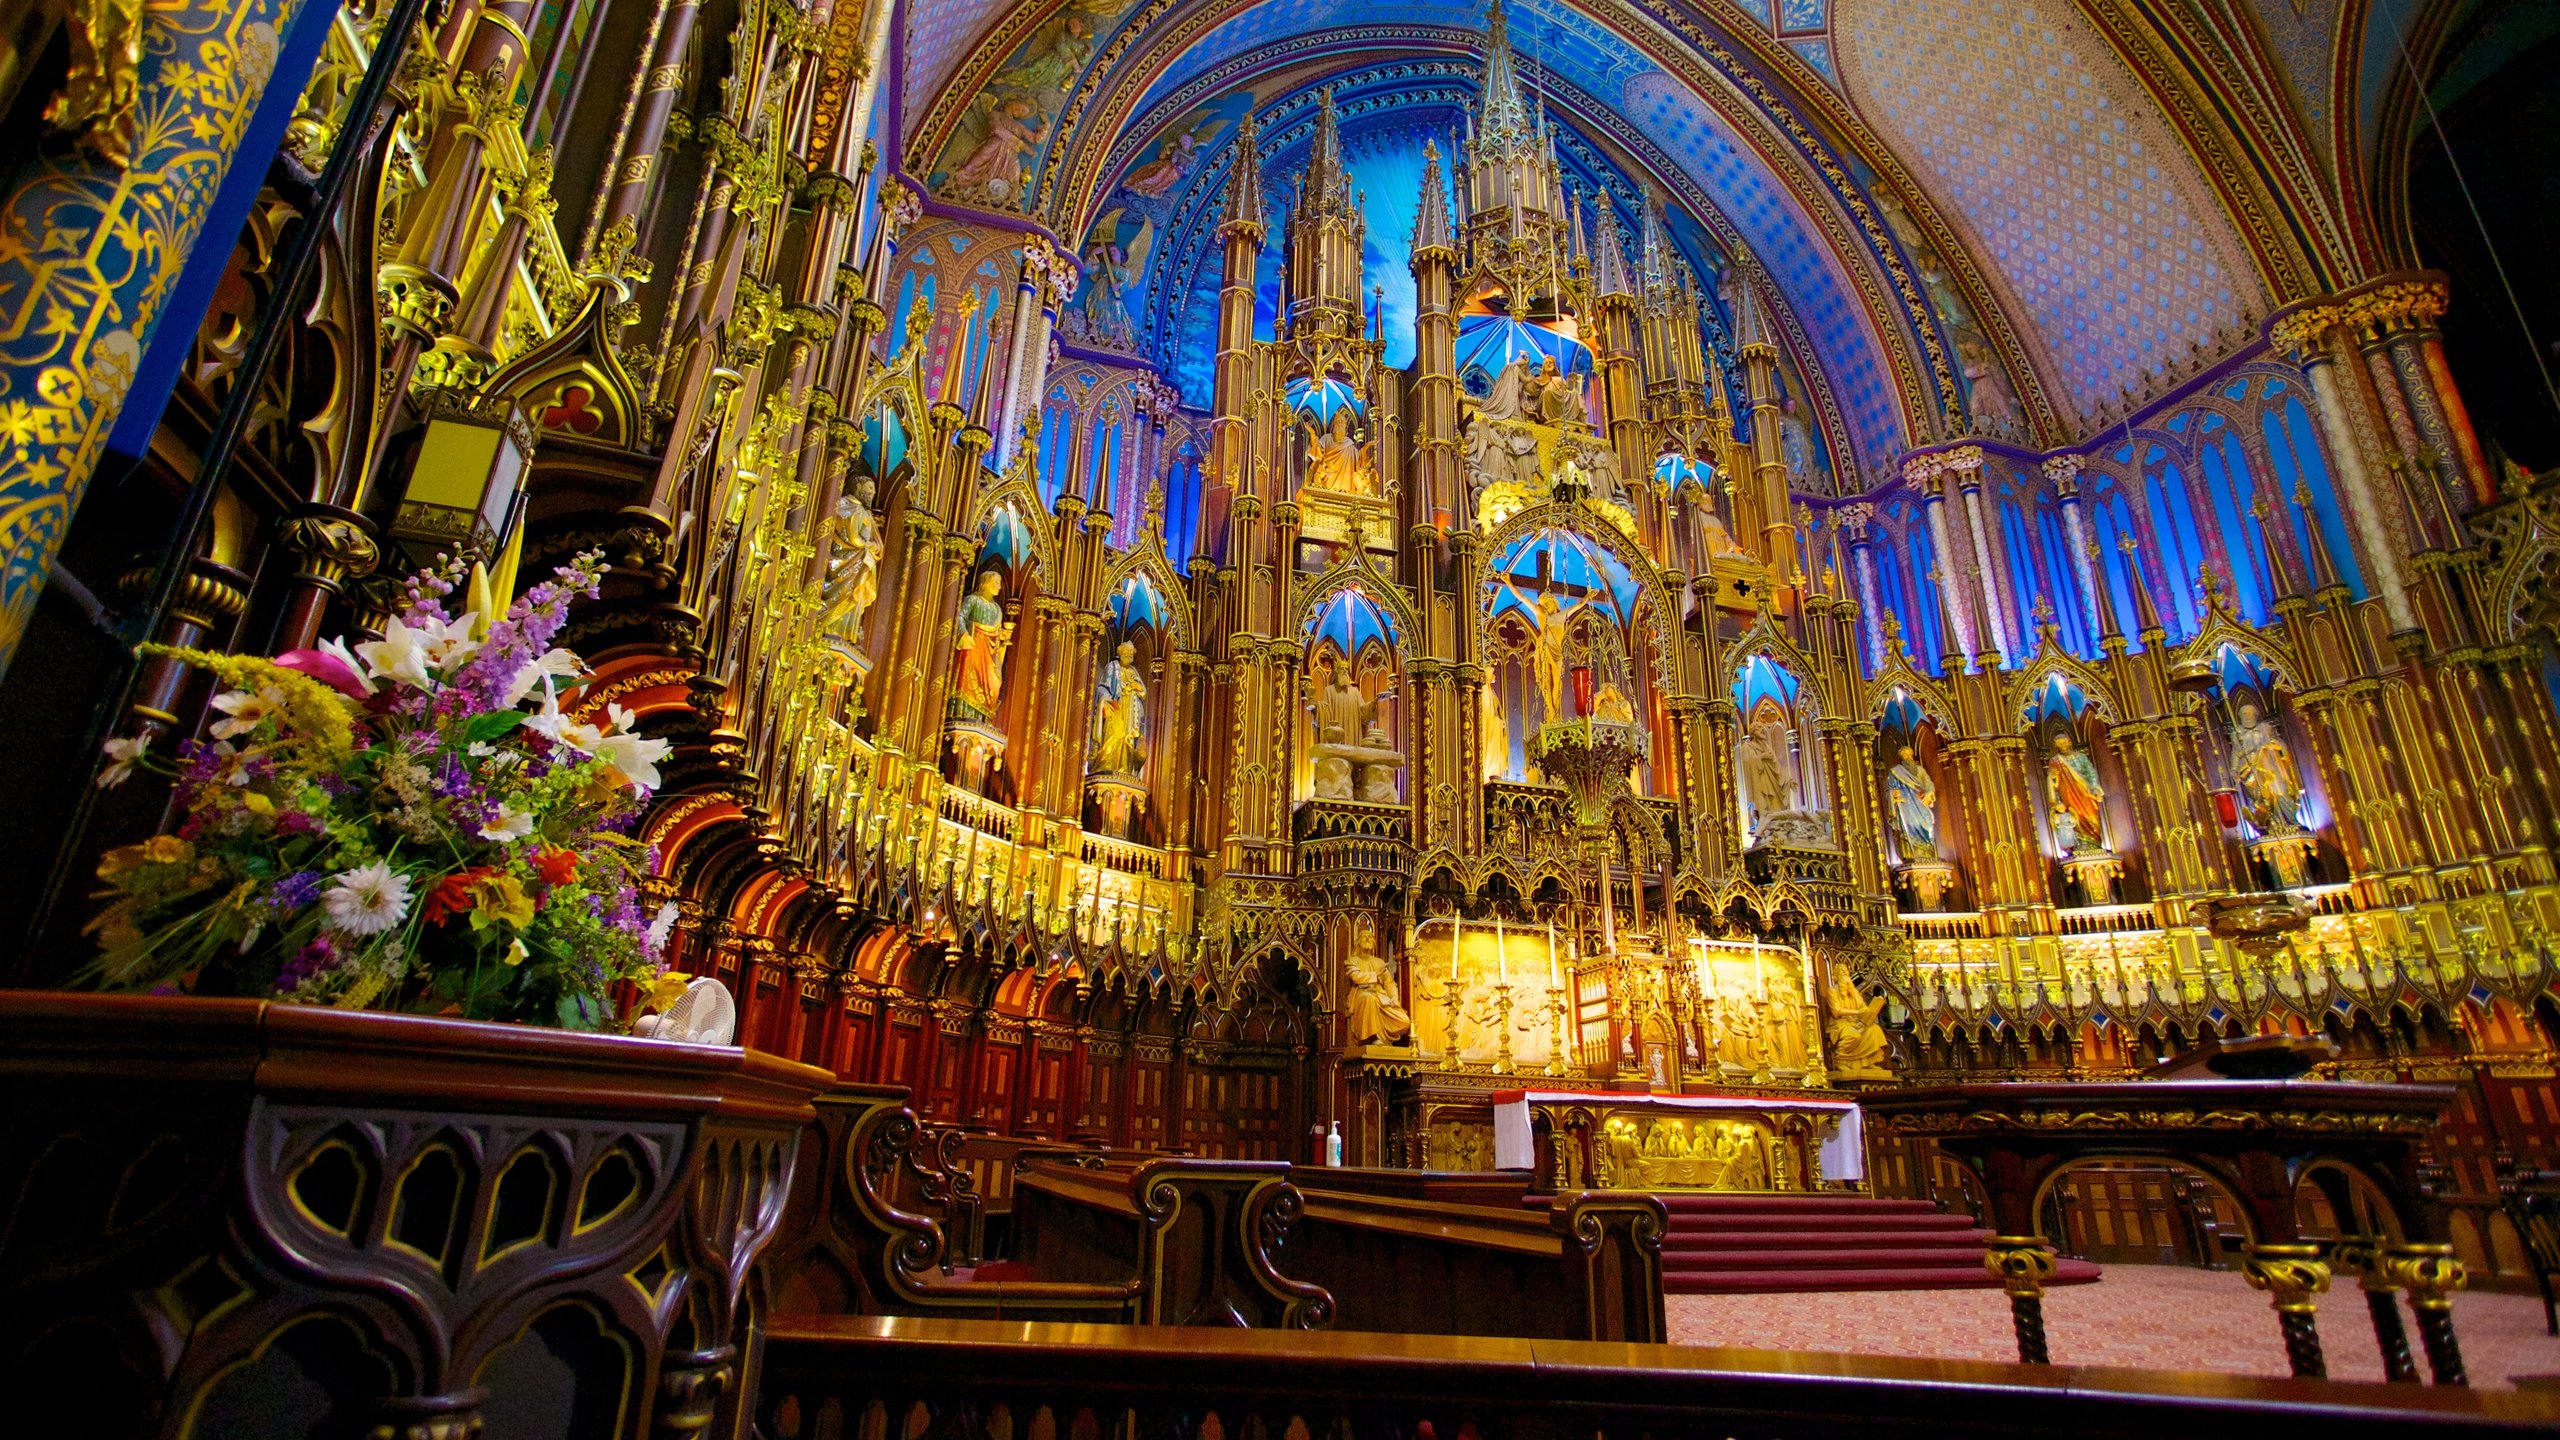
1843,1152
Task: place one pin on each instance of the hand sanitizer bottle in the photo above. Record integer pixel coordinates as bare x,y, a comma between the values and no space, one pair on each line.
1333,1146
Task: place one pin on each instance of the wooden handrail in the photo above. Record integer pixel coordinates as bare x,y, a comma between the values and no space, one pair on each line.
1157,1382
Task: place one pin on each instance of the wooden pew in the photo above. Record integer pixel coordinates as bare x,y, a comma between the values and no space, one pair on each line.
1441,1253
1413,1252
867,1227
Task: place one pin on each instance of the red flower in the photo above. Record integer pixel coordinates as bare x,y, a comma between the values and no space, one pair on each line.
453,894
556,867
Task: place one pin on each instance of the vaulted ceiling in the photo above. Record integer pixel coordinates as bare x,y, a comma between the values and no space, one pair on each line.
1980,216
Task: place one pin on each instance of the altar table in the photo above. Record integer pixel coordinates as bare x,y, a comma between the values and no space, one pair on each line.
1832,1133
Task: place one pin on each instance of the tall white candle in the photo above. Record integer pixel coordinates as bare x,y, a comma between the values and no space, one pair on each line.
1501,961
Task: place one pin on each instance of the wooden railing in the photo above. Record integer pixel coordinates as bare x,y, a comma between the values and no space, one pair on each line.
960,1380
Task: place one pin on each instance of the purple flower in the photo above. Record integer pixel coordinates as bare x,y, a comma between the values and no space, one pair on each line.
296,822
292,892
316,958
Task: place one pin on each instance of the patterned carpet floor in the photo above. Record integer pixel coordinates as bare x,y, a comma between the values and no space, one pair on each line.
2153,1316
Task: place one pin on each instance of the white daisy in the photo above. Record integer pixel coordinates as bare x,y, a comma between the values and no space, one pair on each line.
510,826
366,900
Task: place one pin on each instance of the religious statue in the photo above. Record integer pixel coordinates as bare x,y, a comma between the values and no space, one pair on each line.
1559,396
1600,476
1610,706
984,634
1342,712
1120,717
1911,802
2079,797
2262,765
852,580
1857,1041
1761,756
1337,462
1546,652
1497,453
1509,397
1369,1003
1493,731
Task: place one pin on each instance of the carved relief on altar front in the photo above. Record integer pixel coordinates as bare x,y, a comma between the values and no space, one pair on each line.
1649,1153
1457,1145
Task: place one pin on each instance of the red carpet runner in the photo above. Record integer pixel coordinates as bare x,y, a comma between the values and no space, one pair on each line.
1760,1244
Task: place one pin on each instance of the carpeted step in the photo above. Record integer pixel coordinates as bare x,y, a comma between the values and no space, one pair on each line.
1823,1258
1931,1277
1776,1244
1858,1242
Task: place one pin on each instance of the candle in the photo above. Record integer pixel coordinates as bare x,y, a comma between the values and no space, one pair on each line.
1555,964
1501,961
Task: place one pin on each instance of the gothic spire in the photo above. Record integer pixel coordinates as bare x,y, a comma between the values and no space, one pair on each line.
1501,114
1609,253
1431,221
1244,183
1328,184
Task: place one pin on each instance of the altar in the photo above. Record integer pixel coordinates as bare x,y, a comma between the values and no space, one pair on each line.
1601,1139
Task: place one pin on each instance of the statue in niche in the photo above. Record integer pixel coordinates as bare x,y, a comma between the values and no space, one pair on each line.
1370,1005
1559,396
852,581
1911,801
1341,710
1857,1039
1120,715
1493,731
1337,462
2078,797
1761,756
2262,764
984,634
1355,759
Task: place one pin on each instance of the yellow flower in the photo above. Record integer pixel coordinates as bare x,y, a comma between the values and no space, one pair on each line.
158,850
257,804
502,901
515,952
666,990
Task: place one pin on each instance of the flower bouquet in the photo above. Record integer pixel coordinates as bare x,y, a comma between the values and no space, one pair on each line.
414,823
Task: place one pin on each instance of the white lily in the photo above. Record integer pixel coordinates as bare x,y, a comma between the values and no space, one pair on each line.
636,756
553,664
336,649
404,653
